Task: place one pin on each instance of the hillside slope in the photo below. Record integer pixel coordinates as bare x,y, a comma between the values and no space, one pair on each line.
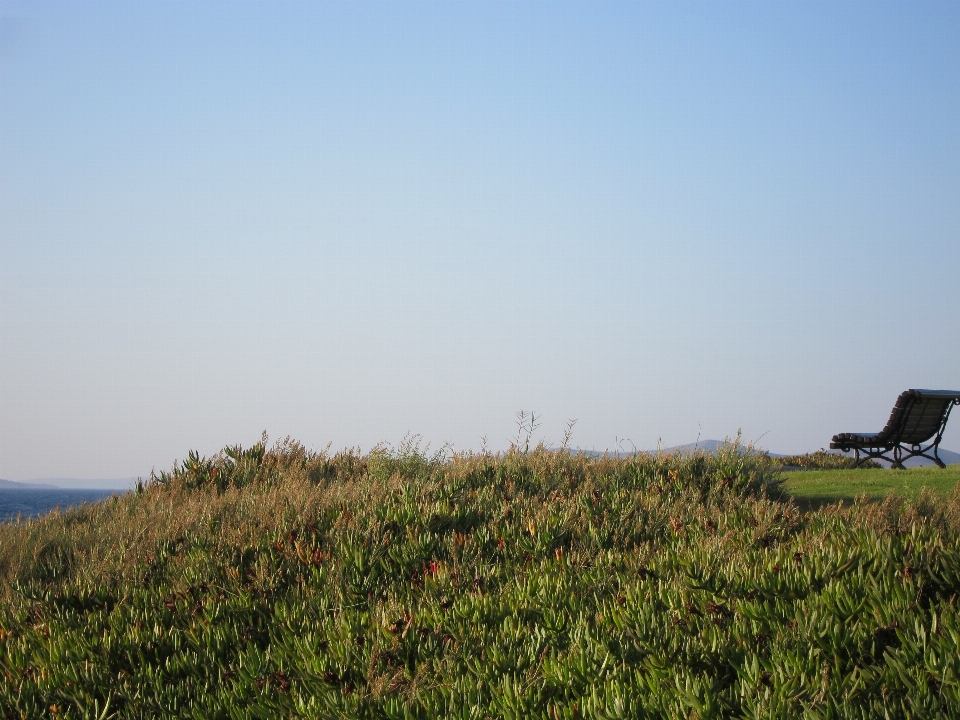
291,583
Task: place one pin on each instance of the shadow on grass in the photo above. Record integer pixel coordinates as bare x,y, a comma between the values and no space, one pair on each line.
816,502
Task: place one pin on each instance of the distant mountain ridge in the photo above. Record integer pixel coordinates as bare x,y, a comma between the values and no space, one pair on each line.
948,456
711,446
69,484
11,485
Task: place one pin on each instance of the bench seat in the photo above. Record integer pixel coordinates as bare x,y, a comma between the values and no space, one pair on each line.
918,417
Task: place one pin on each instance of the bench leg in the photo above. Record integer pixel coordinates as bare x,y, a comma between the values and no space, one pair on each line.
936,457
898,459
901,453
898,456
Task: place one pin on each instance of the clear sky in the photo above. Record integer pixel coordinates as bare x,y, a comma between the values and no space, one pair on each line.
345,222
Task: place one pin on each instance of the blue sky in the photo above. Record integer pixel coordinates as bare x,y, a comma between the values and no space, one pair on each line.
346,222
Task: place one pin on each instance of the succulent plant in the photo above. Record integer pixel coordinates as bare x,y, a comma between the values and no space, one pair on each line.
281,582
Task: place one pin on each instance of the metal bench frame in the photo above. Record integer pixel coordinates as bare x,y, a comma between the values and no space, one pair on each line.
915,427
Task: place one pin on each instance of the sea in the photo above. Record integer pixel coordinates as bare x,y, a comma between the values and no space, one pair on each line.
28,503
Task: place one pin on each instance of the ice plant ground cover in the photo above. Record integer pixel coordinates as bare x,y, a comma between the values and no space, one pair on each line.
287,583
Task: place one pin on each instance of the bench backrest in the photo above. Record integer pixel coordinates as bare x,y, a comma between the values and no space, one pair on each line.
918,415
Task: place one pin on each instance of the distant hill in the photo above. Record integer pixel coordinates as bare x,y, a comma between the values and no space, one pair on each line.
73,484
708,446
948,456
11,485
711,446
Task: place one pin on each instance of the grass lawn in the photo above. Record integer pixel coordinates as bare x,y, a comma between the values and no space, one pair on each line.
815,488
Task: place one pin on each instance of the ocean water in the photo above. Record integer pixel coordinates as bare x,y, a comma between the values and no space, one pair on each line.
30,503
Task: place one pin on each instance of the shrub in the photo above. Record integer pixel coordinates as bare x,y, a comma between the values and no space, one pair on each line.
287,583
823,460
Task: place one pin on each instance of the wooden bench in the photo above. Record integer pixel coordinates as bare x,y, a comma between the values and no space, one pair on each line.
918,417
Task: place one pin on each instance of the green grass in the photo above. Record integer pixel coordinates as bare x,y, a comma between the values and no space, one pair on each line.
283,583
814,488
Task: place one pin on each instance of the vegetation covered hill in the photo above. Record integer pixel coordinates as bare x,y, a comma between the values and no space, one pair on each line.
286,583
